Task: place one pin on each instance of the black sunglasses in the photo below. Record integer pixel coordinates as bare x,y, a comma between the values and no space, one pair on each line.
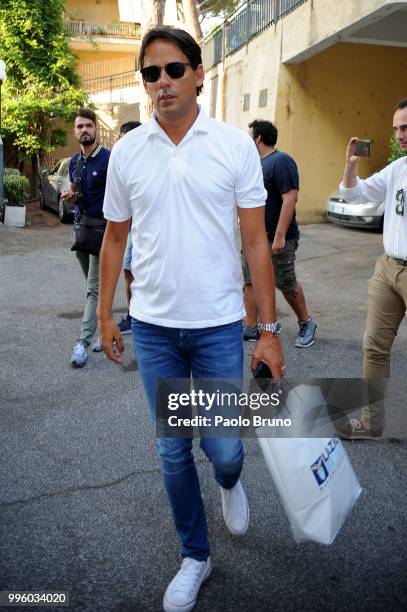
175,70
400,202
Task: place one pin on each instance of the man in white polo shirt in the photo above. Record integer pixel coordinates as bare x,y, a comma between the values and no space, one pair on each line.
182,177
387,299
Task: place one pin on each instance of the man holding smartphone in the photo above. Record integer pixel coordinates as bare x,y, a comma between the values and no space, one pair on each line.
87,175
387,296
183,177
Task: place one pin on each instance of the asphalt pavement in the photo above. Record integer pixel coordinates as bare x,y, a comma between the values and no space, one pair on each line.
82,504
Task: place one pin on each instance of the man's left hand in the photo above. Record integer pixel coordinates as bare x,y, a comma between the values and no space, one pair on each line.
268,349
278,244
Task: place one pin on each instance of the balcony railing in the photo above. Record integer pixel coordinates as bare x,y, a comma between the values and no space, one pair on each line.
87,29
112,82
245,23
106,68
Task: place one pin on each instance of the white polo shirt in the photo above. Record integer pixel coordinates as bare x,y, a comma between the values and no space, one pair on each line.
383,187
182,200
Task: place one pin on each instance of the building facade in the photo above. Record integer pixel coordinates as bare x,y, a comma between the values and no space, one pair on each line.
105,36
322,70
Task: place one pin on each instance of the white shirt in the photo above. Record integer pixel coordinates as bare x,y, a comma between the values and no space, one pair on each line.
182,200
380,187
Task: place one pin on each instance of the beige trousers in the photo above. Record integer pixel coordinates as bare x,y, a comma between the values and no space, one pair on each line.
387,304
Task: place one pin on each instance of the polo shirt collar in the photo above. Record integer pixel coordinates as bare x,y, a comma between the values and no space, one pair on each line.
94,154
201,124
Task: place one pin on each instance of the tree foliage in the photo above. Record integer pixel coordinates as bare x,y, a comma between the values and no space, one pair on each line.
42,85
395,151
217,8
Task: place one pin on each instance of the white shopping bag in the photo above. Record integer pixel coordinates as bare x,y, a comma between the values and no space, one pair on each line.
313,476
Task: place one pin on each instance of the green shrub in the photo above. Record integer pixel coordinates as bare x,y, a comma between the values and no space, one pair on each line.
16,188
14,171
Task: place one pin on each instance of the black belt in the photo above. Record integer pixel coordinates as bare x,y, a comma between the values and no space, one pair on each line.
401,262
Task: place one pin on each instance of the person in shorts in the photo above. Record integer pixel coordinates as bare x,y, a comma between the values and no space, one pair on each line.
281,181
125,324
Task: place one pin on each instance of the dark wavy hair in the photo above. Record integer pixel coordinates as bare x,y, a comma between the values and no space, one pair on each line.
128,126
266,130
402,104
87,113
179,38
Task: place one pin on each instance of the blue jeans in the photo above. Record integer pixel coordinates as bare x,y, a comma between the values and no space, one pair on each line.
210,353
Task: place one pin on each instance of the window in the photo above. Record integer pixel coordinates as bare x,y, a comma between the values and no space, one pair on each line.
263,98
246,102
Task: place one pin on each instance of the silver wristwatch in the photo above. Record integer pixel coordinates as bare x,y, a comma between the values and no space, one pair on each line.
274,328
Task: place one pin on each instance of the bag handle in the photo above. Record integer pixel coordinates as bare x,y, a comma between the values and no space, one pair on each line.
78,182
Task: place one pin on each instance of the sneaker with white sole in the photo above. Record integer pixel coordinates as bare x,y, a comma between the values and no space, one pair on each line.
79,355
251,333
355,429
182,592
235,508
125,325
97,346
306,333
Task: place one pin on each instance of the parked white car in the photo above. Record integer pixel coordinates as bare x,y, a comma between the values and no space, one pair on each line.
344,212
52,185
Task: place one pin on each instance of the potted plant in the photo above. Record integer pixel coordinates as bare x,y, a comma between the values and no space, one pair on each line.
16,188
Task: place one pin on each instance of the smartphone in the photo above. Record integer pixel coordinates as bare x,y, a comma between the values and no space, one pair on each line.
262,375
362,148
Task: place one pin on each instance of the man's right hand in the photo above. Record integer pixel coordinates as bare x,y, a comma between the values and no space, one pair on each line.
351,163
268,349
351,158
69,196
111,340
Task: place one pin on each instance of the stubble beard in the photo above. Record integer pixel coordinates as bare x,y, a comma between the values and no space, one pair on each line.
87,140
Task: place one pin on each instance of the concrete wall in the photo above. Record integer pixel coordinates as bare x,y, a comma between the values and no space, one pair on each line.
99,55
317,24
248,71
96,11
347,90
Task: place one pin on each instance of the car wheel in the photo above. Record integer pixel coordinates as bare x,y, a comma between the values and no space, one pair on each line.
64,216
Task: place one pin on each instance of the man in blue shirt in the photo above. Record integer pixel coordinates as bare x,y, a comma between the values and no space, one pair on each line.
281,181
87,174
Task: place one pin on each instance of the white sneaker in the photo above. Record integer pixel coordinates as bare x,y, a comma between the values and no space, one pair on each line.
182,592
235,509
97,346
79,355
